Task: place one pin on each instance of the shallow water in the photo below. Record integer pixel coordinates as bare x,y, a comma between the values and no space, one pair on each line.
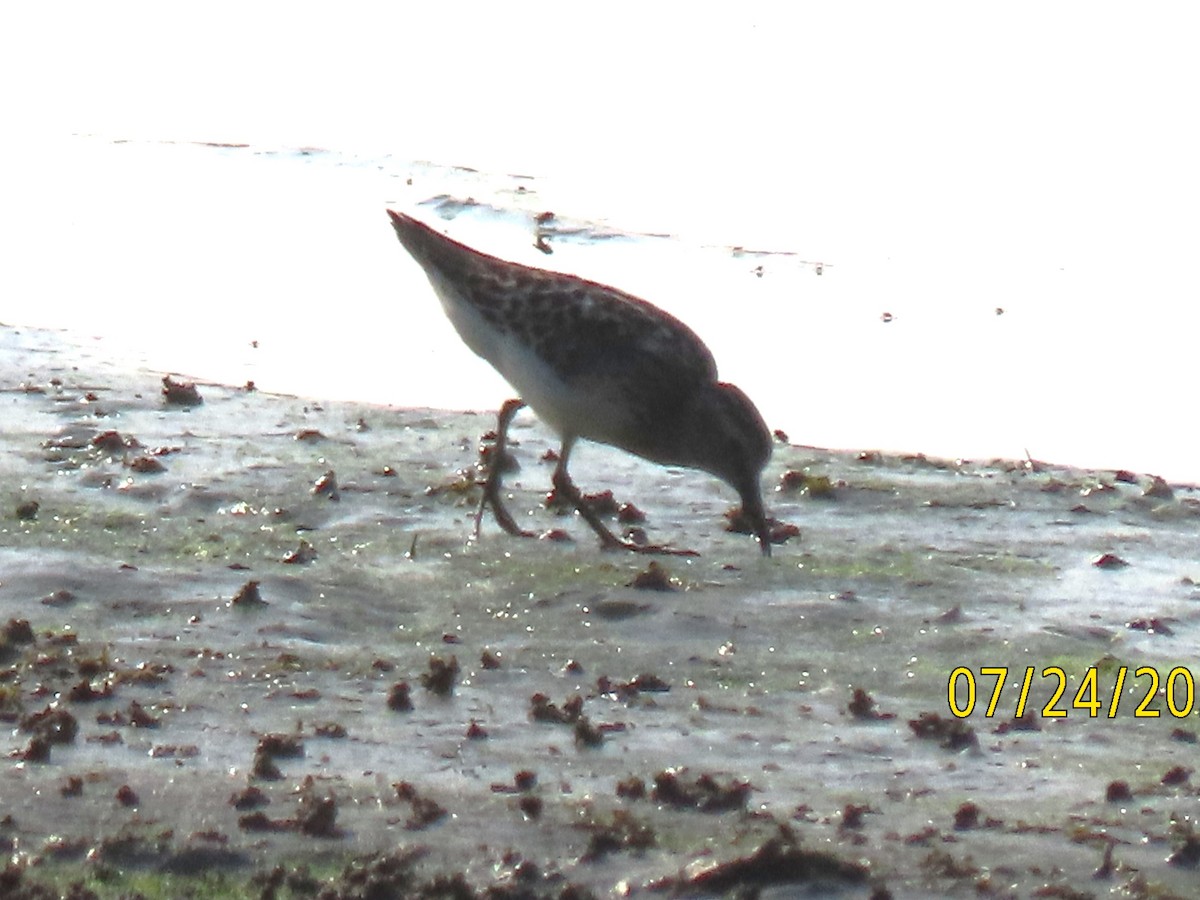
277,264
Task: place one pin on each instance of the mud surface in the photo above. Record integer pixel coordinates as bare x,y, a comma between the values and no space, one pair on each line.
234,660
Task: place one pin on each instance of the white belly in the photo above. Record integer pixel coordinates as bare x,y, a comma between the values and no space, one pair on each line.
535,382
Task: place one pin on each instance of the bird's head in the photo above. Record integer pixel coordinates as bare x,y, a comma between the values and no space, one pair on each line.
730,439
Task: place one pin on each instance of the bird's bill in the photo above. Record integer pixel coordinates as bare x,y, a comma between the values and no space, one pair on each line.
752,506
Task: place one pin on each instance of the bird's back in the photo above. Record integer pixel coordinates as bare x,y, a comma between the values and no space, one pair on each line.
599,341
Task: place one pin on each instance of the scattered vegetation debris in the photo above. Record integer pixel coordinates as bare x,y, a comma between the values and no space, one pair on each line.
1027,721
587,734
790,481
309,435
304,553
112,442
61,597
180,393
863,707
140,718
441,676
603,503
264,768
629,690
779,860
16,631
1184,736
461,484
816,486
84,692
260,821
654,578
628,514
966,816
1124,476
819,487
780,435
542,710
489,660
318,817
331,730
530,806
27,511
737,522
281,746
950,733
248,596
1151,626
1158,489
852,816
425,811
1187,854
703,793
952,616
523,781
174,751
557,535
271,747
54,724
1118,792
146,465
476,732
622,832
1176,775
631,788
127,796
72,787
1109,561
399,698
38,750
886,317
250,798
327,486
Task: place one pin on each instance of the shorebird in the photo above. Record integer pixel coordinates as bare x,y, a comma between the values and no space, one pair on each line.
595,362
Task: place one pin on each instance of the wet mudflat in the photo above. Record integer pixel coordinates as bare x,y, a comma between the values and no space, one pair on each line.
248,639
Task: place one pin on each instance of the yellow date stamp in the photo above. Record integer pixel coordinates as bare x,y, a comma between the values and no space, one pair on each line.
1097,694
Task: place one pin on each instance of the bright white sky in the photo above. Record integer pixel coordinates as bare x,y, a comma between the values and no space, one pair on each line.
951,102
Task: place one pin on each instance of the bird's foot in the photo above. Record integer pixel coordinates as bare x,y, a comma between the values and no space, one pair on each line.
491,497
495,462
587,508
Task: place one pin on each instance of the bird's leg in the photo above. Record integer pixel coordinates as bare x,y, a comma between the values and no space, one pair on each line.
609,541
495,473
